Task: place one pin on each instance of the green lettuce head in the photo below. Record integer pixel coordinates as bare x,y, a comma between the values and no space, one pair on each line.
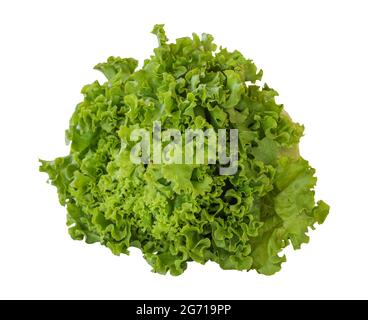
174,212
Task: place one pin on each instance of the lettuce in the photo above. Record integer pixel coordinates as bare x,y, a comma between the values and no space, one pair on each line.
180,213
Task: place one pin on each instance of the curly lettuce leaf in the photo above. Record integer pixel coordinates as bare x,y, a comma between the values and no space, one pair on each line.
181,213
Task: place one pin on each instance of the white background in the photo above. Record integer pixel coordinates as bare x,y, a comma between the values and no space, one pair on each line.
314,53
